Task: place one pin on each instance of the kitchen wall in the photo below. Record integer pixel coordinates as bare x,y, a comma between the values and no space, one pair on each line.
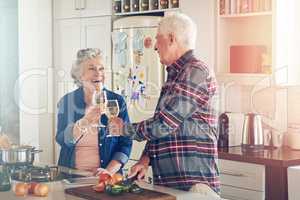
294,104
35,82
279,105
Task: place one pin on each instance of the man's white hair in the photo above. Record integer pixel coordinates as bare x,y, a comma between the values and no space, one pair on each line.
182,26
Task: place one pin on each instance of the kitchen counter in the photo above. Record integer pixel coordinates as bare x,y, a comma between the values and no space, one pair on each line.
276,161
57,193
280,157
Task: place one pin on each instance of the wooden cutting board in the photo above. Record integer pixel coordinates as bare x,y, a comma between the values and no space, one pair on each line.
87,192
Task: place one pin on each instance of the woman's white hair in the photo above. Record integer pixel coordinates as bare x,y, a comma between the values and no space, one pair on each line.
82,56
184,29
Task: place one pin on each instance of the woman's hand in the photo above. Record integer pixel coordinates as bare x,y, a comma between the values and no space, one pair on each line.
92,114
102,171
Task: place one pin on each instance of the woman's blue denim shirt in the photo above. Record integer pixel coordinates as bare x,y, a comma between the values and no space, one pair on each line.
72,108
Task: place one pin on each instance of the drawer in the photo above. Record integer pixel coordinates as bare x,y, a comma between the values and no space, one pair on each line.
233,193
293,182
242,175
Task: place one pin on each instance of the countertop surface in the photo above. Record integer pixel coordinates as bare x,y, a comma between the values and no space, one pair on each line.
282,157
57,193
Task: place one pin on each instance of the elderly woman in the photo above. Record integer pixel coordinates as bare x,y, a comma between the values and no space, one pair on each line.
85,146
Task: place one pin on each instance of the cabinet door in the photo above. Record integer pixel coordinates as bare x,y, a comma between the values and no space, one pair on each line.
243,175
81,8
67,8
67,41
236,193
96,33
91,8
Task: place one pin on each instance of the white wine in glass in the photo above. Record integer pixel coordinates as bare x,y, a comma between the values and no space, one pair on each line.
99,99
112,110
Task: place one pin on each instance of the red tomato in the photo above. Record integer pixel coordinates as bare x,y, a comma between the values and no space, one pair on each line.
117,178
99,187
32,185
104,177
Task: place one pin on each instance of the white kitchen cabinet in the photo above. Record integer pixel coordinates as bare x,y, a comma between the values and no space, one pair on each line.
66,8
242,181
70,35
293,182
249,27
81,8
96,33
67,41
74,34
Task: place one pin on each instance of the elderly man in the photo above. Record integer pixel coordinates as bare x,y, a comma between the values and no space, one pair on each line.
182,134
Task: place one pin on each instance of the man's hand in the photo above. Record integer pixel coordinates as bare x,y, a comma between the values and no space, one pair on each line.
115,126
138,169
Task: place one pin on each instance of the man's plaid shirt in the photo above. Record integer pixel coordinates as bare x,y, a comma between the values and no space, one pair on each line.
182,134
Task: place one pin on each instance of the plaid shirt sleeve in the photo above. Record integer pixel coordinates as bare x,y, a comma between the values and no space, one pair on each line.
189,93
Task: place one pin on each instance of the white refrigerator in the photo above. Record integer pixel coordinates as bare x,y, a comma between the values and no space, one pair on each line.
137,72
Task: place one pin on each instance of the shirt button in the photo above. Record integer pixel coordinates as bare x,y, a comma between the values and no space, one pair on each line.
159,177
154,156
101,161
100,144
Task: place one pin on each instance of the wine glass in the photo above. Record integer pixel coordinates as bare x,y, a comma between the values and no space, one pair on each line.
112,110
99,99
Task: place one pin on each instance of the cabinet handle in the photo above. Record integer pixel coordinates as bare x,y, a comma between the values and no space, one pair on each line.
83,5
76,5
230,173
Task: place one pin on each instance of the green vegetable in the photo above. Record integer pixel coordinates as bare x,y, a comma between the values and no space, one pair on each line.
135,189
108,188
118,189
115,189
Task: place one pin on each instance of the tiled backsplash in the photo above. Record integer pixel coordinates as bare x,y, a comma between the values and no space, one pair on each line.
294,104
277,105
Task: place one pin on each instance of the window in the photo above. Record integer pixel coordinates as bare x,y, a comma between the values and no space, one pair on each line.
287,42
9,69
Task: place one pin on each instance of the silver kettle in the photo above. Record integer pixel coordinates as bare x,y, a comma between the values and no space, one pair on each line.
252,138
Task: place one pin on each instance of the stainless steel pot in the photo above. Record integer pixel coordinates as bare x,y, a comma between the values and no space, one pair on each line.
18,155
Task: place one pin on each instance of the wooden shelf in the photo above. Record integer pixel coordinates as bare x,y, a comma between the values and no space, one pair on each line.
254,28
145,12
252,14
245,78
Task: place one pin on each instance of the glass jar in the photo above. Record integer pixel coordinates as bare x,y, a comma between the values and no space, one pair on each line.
135,5
154,5
175,3
5,182
164,4
117,6
126,5
144,5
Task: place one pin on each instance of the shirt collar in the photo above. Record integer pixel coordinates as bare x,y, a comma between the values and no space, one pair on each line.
177,66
